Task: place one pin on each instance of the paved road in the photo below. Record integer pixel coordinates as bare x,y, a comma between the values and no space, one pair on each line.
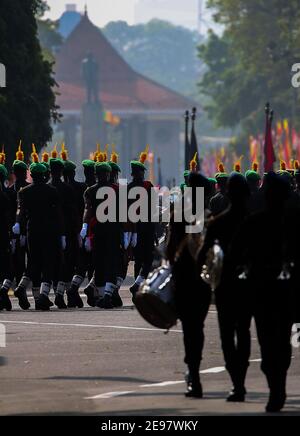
94,362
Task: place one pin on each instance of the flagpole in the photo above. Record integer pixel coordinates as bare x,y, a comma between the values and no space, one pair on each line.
187,142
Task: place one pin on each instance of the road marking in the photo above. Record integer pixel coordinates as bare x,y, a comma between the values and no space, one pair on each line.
217,370
108,395
55,324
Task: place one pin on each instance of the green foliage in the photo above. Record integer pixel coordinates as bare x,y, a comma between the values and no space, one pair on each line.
27,105
251,62
159,50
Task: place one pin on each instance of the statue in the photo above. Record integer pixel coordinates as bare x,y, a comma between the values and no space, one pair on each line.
90,71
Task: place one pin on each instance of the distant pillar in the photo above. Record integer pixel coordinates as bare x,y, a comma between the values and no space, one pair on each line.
93,128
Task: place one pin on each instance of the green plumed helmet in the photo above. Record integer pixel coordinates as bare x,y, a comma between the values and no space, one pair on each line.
115,167
88,163
212,180
46,165
103,167
3,171
37,168
135,164
69,165
56,163
19,164
252,176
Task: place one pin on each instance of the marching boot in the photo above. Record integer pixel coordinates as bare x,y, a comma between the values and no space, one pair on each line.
75,284
90,293
238,392
136,286
21,293
277,396
236,395
5,302
74,300
116,299
194,387
106,301
59,296
60,302
43,303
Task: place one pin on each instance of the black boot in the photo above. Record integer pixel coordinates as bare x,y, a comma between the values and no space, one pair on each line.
43,303
21,295
90,293
236,395
194,387
105,302
74,300
116,299
277,398
134,289
5,302
60,302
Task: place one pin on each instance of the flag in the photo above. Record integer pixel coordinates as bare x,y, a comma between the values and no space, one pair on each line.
287,142
269,153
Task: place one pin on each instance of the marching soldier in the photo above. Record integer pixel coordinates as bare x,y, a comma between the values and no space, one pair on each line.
19,170
105,237
69,226
39,216
219,202
6,274
143,238
234,309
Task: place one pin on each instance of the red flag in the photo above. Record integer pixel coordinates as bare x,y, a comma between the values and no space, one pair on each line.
269,152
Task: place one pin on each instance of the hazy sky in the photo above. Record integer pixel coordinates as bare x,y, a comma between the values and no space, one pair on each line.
101,11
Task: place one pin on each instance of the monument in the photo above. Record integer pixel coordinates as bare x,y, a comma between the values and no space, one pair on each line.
92,121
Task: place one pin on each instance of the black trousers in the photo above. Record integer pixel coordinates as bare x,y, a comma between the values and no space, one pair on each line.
43,253
107,256
144,251
6,269
71,258
192,301
234,315
19,261
273,312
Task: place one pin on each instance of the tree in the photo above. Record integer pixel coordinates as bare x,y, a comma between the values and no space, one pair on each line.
251,62
159,50
27,104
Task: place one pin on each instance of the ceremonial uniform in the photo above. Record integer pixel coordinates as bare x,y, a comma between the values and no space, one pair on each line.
232,295
39,216
105,238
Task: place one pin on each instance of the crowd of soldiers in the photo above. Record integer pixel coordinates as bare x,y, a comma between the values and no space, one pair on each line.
50,237
254,219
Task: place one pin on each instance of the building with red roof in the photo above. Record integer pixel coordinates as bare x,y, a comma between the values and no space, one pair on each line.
149,112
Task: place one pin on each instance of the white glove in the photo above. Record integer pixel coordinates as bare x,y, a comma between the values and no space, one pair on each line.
134,240
88,245
13,244
16,229
22,241
63,243
127,237
84,231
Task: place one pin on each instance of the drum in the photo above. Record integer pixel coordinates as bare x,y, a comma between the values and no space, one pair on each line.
155,299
